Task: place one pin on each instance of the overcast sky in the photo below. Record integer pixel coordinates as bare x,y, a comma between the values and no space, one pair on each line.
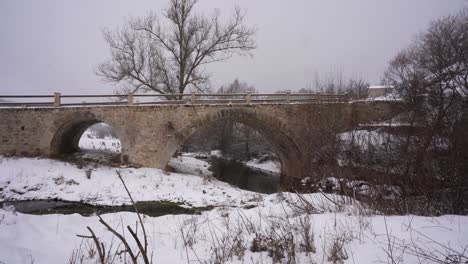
48,45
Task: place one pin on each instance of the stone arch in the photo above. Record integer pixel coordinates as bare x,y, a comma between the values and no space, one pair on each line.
273,129
70,128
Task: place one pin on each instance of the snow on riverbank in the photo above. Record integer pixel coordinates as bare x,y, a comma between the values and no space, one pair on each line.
197,163
34,178
268,165
188,163
244,227
363,239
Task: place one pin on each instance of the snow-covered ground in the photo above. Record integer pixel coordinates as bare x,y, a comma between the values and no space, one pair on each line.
189,163
388,97
243,227
238,235
35,178
269,165
89,141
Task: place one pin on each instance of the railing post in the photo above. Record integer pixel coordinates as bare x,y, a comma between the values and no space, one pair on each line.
318,97
130,99
346,97
193,99
288,96
248,97
56,99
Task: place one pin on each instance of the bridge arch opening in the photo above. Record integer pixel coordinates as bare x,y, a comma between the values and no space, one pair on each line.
271,128
87,138
100,137
231,152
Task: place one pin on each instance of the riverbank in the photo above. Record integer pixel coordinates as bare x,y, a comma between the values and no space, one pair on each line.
241,226
45,179
273,229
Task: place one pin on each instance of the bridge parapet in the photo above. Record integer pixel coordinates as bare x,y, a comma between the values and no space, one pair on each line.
58,100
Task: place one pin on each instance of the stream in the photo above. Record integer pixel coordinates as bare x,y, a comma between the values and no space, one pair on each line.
150,208
245,177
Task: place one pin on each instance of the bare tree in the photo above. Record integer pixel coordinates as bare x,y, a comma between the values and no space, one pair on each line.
357,88
167,58
236,87
236,140
230,131
432,78
334,82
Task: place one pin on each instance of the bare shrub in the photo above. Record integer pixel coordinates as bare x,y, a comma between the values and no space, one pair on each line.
279,245
87,253
305,204
109,256
227,241
285,238
337,252
227,245
306,233
426,249
189,231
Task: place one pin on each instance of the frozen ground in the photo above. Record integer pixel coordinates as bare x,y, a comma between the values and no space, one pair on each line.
244,227
189,164
269,165
237,235
31,178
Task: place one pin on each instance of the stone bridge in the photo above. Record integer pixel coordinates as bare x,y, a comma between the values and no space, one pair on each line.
150,135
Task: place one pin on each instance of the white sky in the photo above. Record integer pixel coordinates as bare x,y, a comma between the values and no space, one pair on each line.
55,45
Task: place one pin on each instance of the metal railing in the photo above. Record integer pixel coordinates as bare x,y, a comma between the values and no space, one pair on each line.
131,99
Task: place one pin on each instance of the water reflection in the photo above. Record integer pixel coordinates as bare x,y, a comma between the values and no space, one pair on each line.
244,177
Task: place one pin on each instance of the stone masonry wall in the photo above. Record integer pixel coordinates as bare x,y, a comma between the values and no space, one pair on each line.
151,134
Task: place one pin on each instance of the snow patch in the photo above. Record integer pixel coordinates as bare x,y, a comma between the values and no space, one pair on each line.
268,165
31,178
